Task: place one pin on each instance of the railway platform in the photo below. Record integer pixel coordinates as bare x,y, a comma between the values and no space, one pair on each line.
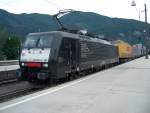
121,89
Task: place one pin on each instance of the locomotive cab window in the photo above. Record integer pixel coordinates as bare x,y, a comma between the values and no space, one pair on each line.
38,41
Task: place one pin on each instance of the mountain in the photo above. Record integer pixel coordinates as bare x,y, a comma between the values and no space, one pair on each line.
112,28
22,24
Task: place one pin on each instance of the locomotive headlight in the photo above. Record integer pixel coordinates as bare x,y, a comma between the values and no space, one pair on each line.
45,65
22,64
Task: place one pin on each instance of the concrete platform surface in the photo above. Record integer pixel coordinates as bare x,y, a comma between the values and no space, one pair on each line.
122,89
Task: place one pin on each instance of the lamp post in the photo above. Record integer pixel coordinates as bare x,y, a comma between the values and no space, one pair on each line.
145,10
138,11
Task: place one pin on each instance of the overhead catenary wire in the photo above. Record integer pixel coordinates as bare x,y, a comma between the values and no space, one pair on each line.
54,4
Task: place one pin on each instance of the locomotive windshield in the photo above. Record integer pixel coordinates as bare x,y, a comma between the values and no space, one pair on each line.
38,41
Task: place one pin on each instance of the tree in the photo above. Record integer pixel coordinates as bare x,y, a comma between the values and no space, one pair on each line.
3,36
11,47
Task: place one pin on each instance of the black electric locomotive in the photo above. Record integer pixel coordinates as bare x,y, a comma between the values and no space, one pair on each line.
57,54
54,55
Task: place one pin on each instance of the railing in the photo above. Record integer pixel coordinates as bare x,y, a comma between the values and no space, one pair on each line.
8,70
9,62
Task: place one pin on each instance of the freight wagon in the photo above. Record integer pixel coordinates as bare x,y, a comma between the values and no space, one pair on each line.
125,50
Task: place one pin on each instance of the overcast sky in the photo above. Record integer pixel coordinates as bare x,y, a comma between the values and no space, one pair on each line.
111,8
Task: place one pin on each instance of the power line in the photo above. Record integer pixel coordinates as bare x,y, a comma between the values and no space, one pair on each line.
52,3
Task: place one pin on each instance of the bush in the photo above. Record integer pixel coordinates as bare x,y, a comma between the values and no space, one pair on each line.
10,48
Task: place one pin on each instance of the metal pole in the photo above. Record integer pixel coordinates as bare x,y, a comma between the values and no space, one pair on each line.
146,56
145,13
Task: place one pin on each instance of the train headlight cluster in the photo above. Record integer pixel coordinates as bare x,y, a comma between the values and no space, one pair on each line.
33,64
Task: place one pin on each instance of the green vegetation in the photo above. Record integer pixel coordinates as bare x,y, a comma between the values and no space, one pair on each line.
9,46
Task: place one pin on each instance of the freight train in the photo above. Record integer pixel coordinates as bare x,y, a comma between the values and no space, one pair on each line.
127,52
51,56
57,54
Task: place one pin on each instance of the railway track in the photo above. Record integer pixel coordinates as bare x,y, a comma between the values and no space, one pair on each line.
7,76
15,89
8,81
